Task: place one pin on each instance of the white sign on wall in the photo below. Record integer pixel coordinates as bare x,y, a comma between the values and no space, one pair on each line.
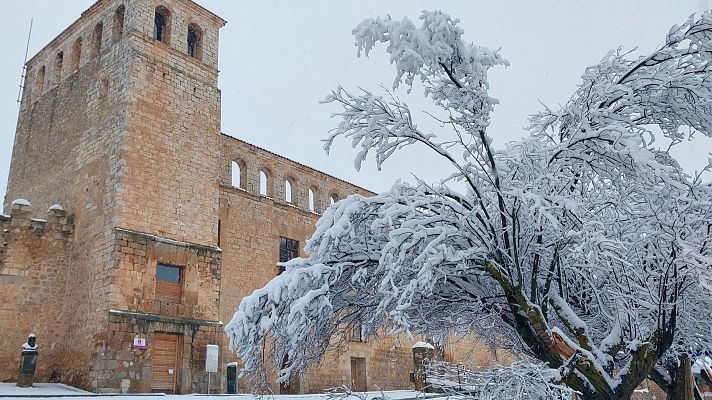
211,358
139,343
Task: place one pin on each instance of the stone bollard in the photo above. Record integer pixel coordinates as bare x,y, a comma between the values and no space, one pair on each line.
422,353
28,362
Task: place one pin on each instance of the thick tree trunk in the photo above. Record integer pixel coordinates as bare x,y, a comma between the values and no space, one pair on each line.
683,380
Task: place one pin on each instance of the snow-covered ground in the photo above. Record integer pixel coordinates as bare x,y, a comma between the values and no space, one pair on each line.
59,391
40,389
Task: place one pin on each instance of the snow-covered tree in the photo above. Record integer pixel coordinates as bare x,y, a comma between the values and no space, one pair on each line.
584,246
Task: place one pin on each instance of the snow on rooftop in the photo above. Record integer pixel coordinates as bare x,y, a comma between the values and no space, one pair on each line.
56,207
21,202
425,345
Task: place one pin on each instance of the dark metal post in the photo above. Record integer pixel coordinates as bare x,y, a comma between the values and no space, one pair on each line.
232,378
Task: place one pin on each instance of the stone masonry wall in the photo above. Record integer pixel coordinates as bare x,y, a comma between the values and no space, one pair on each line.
121,368
388,362
251,225
251,160
136,256
250,229
169,187
135,311
34,257
71,147
67,150
69,124
181,14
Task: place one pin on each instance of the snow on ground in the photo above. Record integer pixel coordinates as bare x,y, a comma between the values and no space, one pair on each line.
40,389
59,391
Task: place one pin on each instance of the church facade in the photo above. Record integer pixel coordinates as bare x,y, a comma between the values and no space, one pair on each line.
142,225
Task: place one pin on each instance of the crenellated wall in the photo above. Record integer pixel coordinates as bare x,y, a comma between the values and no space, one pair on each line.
35,257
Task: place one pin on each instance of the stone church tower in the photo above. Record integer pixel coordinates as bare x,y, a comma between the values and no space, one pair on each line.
122,119
120,124
157,224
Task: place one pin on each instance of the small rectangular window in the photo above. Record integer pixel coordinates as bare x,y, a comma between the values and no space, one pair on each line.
168,273
288,249
357,333
169,283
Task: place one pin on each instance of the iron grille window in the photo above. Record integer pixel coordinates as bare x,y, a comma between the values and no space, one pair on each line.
288,249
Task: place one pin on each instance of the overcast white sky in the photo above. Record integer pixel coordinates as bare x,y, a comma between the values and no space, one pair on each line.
278,59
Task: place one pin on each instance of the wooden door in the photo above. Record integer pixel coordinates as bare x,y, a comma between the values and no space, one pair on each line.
165,363
358,374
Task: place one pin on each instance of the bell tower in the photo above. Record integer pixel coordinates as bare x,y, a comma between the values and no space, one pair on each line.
120,125
121,118
169,187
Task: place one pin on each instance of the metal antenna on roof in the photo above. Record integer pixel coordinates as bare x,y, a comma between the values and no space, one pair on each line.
23,75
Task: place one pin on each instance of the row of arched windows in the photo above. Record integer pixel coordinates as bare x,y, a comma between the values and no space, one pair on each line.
77,48
239,175
161,32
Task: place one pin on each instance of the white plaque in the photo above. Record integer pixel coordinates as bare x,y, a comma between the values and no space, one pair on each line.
211,358
139,343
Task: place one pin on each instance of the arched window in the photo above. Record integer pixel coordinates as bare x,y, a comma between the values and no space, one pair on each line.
117,30
312,206
162,25
58,67
39,83
236,174
76,55
264,183
287,191
333,199
195,41
96,39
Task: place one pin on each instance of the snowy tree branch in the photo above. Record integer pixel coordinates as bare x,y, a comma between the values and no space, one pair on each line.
584,245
